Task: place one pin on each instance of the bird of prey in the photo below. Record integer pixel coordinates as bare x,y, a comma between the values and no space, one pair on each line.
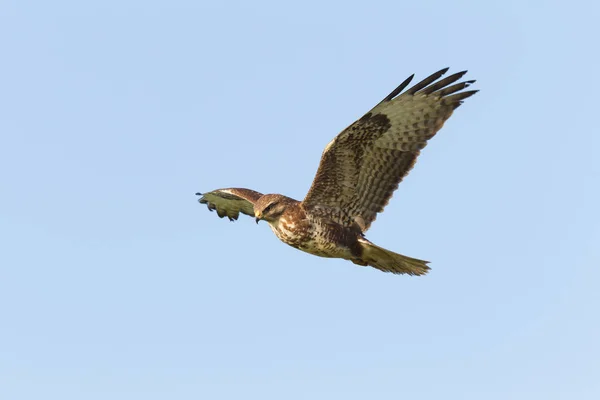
358,173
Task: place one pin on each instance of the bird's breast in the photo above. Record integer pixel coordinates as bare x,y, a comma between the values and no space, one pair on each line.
291,231
312,236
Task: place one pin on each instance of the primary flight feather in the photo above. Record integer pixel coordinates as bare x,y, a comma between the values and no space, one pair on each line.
358,173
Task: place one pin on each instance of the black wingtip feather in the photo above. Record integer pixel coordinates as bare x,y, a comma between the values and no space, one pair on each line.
453,89
399,89
457,99
460,96
440,88
430,79
443,83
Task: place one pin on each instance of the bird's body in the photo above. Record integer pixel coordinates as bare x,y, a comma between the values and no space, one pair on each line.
315,235
359,170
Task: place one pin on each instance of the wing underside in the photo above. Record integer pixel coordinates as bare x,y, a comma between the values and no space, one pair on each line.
362,167
230,202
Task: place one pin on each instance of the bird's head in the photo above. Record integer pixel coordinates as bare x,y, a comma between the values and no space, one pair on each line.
270,207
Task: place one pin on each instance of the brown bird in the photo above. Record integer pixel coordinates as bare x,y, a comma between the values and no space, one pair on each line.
358,173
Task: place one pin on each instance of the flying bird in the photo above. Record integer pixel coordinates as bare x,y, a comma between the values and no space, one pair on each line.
358,173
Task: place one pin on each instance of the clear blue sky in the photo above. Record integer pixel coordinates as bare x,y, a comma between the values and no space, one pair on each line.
116,284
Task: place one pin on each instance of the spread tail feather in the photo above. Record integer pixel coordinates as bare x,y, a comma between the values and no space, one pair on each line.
388,261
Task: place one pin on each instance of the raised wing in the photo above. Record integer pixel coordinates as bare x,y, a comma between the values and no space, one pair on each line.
230,202
363,165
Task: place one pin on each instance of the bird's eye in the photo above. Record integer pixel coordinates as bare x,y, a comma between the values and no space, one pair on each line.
268,208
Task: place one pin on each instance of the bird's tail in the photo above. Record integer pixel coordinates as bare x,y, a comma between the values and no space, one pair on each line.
388,261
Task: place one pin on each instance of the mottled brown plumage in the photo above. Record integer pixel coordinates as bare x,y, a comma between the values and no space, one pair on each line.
358,173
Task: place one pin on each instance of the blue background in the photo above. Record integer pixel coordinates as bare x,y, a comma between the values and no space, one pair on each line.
115,283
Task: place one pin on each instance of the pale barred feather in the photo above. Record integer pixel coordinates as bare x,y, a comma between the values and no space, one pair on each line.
363,165
230,202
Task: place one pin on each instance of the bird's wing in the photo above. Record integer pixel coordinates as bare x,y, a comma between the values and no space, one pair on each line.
362,166
230,202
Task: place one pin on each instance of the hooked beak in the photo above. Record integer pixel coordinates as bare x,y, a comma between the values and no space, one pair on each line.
258,217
